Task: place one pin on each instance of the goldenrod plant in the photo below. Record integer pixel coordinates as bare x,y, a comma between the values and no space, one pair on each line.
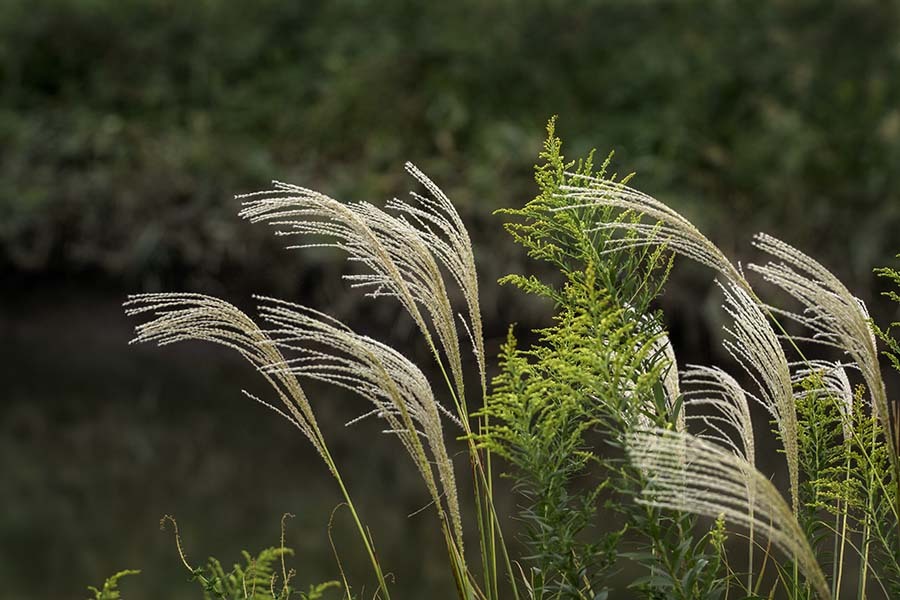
110,589
595,416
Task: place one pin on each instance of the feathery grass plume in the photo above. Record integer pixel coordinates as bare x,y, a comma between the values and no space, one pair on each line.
835,317
185,316
399,259
828,379
665,226
403,256
715,482
324,349
839,320
662,354
445,234
670,379
755,346
713,388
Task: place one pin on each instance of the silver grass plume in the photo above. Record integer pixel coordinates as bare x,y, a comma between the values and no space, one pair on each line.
835,317
688,474
324,349
666,226
670,380
399,260
664,352
445,234
832,381
185,316
712,388
756,347
661,350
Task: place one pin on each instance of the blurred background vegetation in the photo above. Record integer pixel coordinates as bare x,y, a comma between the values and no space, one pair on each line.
127,127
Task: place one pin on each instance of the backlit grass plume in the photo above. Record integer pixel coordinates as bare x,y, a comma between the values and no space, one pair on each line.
185,316
754,345
828,379
754,342
405,254
324,349
723,416
179,317
435,219
835,317
718,402
402,260
662,225
687,473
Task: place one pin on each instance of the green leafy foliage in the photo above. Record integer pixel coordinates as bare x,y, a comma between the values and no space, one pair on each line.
544,402
572,239
597,372
845,459
870,493
250,580
886,514
679,565
823,459
547,399
256,578
110,589
892,352
676,562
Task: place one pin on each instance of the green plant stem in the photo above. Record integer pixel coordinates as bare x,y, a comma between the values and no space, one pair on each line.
367,542
866,542
492,534
494,518
840,542
750,548
488,525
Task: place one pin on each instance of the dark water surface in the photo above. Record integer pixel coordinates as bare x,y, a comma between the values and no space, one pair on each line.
98,440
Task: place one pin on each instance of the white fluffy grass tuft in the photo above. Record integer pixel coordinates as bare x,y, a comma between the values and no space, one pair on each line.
835,317
180,317
688,474
403,254
322,348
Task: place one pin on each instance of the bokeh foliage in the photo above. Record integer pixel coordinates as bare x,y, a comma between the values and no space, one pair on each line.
128,126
